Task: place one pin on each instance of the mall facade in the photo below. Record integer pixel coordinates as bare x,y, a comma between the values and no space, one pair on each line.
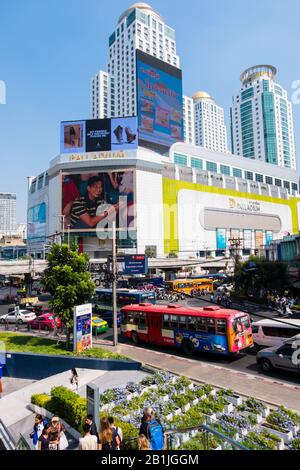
191,202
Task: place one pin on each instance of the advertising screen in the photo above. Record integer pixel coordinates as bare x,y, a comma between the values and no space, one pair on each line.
159,102
92,201
98,135
269,237
130,264
247,239
82,328
36,226
221,239
259,239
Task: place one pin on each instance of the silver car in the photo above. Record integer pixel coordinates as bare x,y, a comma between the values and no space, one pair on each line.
285,357
18,316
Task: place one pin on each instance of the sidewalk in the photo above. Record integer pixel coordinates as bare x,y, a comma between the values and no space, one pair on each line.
266,389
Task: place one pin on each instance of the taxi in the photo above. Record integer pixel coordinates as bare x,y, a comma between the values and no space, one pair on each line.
99,325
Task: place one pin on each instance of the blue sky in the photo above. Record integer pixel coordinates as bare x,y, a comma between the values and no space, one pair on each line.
49,50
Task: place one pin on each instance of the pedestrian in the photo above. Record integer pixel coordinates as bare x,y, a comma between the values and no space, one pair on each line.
143,443
74,380
37,430
94,431
105,436
152,429
117,434
44,439
58,440
88,441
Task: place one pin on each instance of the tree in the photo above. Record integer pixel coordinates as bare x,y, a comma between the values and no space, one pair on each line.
68,280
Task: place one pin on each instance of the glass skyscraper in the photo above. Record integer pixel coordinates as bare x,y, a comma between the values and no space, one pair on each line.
262,119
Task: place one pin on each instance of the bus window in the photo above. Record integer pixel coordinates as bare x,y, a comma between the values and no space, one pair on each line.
211,328
201,324
192,323
141,320
166,322
221,327
131,318
182,323
174,321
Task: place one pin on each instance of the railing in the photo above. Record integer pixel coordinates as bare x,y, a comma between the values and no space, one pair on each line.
201,437
6,438
22,444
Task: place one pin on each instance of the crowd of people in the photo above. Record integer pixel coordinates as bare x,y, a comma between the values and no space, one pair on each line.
51,434
282,302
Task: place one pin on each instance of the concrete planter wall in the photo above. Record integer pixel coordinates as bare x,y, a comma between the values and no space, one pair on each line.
286,436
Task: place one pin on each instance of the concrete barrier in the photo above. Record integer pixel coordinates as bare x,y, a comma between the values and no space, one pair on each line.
38,366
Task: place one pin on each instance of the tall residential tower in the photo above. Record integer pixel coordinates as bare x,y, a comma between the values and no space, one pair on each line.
139,27
7,213
262,119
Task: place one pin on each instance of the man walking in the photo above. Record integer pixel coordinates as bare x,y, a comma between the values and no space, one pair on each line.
88,442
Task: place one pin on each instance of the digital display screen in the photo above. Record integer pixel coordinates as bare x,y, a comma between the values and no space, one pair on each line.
159,103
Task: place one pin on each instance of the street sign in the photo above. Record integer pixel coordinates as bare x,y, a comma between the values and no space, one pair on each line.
131,264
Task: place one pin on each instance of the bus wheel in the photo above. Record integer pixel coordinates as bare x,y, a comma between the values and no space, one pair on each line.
188,348
135,337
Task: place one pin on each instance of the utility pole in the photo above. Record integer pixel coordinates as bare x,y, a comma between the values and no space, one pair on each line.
69,226
235,245
114,283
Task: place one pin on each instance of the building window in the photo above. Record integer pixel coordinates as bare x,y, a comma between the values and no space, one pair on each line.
180,159
259,178
278,183
237,173
225,170
249,175
211,166
269,180
197,163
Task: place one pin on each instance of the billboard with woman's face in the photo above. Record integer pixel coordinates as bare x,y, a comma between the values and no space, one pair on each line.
92,201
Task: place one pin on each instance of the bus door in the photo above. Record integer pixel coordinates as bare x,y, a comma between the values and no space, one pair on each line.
154,329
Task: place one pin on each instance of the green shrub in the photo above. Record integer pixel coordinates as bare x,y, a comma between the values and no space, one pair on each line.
69,406
41,400
295,445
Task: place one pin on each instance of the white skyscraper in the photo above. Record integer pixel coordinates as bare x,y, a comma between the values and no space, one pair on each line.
100,95
188,120
210,129
262,119
7,213
139,27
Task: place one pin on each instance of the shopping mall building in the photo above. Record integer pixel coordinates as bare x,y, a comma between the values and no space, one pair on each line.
191,202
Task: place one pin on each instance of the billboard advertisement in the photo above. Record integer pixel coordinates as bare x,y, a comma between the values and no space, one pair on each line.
247,239
159,102
131,264
82,328
221,239
269,237
37,222
259,239
92,201
98,135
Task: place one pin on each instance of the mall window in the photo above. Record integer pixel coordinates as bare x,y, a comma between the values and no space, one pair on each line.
237,173
33,187
197,163
278,183
40,181
211,166
269,180
225,170
249,175
287,185
259,178
180,159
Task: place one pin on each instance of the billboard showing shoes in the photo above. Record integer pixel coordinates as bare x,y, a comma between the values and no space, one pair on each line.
99,135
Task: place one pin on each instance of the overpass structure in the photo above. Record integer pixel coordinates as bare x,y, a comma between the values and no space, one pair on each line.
19,268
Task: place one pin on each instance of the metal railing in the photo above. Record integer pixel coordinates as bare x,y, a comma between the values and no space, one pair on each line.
6,438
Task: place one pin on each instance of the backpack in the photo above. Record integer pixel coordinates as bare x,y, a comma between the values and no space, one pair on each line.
114,443
155,433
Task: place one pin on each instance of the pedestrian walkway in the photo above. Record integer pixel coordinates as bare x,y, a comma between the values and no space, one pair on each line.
260,387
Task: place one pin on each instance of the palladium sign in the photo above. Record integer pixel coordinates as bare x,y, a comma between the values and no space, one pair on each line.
245,206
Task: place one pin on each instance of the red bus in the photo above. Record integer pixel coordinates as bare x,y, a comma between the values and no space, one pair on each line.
208,329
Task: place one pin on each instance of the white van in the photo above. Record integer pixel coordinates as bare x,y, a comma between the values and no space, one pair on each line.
268,333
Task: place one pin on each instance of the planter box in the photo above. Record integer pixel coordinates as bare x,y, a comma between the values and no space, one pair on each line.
280,445
131,396
169,417
295,430
259,418
228,408
195,402
166,398
191,387
148,389
177,412
194,433
236,400
174,379
212,417
213,393
286,436
265,413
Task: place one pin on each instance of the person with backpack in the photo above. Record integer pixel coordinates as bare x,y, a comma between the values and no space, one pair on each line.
152,429
117,434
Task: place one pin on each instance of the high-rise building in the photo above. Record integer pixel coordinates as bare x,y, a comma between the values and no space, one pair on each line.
262,119
100,95
188,120
210,128
7,213
139,27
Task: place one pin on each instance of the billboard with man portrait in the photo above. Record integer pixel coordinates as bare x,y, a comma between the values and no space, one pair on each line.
92,201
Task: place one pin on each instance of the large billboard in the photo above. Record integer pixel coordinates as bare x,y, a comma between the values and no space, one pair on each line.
159,103
98,135
37,222
92,201
82,333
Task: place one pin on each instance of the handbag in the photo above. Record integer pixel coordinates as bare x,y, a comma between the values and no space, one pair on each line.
63,442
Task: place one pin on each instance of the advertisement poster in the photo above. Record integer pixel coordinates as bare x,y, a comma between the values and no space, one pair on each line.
269,237
99,135
247,239
221,239
131,264
235,234
83,339
160,113
91,201
72,137
204,342
259,239
37,222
